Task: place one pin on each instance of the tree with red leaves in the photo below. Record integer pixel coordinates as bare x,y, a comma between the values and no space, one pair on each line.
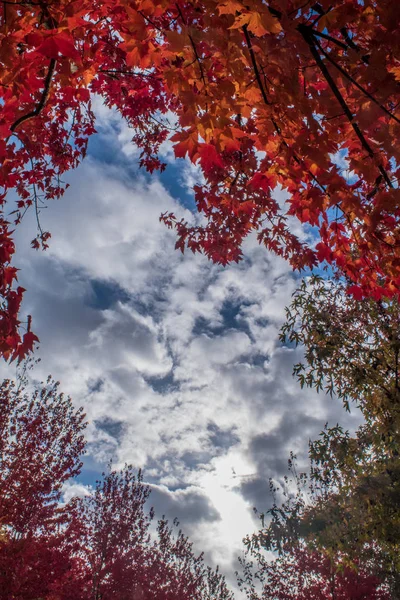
291,95
109,534
41,442
303,574
94,547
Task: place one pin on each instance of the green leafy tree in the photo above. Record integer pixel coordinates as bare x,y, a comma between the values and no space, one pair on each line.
352,351
306,529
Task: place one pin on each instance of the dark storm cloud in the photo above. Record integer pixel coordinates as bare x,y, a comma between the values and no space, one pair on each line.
270,453
256,491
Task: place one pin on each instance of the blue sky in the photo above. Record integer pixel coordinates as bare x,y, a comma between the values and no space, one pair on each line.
175,360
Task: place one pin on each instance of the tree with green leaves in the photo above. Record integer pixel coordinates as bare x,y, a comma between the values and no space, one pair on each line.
305,530
352,351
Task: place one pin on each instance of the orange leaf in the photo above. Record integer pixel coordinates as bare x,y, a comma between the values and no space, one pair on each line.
230,7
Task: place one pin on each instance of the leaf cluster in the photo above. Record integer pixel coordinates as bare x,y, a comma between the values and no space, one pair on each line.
293,95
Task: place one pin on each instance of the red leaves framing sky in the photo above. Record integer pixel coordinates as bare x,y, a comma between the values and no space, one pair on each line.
292,94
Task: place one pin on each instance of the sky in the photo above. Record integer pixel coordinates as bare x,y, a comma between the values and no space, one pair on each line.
175,360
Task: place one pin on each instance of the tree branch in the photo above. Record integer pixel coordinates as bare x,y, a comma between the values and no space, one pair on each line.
255,66
267,102
148,20
126,72
355,83
311,41
318,8
42,102
328,37
203,79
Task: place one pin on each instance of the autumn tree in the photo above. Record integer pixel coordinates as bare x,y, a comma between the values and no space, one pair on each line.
352,350
110,534
41,443
314,538
303,574
99,546
293,95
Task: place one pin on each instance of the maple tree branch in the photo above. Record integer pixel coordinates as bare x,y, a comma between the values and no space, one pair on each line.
348,39
163,125
275,12
373,192
202,76
353,45
328,37
42,102
265,98
70,129
311,41
355,83
302,28
321,12
198,62
350,42
233,182
318,8
36,205
37,212
126,72
150,21
264,95
255,66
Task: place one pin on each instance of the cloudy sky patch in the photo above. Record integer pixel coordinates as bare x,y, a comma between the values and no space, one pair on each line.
175,360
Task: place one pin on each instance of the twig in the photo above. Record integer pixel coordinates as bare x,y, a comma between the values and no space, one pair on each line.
42,102
355,83
194,50
150,21
311,41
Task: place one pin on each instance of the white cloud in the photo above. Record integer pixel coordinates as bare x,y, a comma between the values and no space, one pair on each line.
75,490
133,340
175,360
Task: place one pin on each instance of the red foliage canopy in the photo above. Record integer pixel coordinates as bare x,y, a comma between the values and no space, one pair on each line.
302,574
94,547
109,533
294,94
41,443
